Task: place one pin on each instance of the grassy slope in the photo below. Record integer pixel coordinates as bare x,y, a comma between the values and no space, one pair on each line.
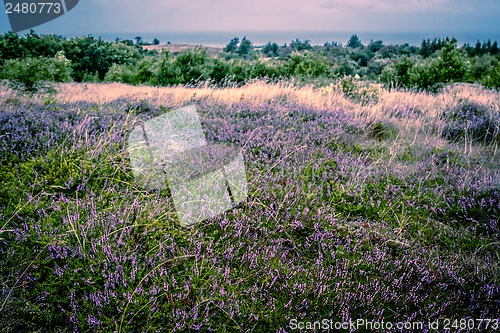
357,208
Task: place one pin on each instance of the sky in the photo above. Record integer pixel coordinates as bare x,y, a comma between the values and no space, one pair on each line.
124,16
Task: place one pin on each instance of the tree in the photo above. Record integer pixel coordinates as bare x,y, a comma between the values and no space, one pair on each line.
156,41
245,47
494,48
89,56
271,50
360,57
453,65
375,46
403,69
138,40
232,46
477,49
425,49
354,42
298,45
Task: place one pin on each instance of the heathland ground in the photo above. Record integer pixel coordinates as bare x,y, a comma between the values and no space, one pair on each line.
364,203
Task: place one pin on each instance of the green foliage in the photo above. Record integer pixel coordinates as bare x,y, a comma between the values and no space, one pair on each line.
219,72
481,67
375,46
307,65
11,47
354,42
399,74
119,73
346,68
449,65
30,72
299,45
232,46
245,47
492,80
89,56
359,91
453,65
188,67
271,50
428,67
361,58
266,70
425,75
240,72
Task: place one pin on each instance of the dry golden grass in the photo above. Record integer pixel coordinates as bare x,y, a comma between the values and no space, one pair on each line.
422,125
260,91
426,106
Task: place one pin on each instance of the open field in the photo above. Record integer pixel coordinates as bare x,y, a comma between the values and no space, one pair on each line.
363,204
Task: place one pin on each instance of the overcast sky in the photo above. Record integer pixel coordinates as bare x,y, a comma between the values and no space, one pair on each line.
121,16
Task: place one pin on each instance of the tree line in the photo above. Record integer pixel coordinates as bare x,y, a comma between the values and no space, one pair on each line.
30,59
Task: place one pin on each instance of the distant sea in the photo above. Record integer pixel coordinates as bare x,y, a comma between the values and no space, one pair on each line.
220,39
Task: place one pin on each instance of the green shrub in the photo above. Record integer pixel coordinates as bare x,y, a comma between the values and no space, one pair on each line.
119,73
30,72
425,75
145,70
240,72
219,71
265,70
307,65
493,79
188,67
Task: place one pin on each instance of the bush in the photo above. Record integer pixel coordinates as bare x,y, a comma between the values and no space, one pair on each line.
493,79
240,72
30,72
166,74
425,75
219,71
471,121
145,71
307,65
119,73
346,68
266,70
141,73
188,67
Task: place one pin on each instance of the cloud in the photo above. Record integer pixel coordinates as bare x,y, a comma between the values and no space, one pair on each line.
401,6
93,16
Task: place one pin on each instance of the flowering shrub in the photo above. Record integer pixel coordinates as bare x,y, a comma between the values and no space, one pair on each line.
473,122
